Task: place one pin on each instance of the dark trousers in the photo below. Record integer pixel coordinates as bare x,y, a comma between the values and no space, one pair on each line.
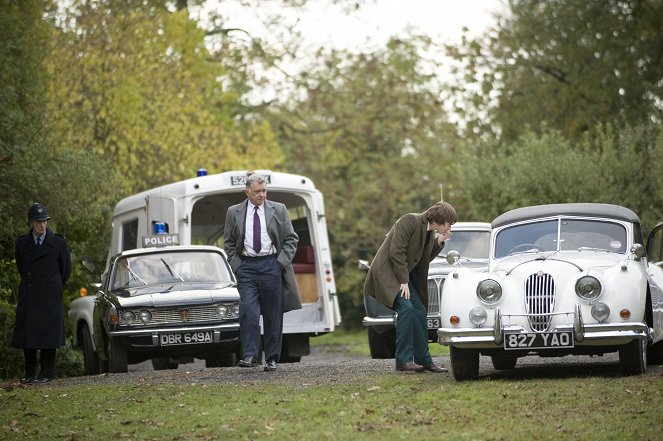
261,292
46,362
411,329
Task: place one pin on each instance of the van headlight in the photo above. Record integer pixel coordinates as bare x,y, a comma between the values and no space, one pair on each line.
588,288
489,291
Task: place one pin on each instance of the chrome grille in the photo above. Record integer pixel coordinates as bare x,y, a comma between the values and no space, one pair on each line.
434,293
539,300
181,314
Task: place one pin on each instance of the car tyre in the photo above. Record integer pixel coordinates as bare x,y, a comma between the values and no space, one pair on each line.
503,362
90,358
382,345
633,357
163,363
464,363
117,357
655,353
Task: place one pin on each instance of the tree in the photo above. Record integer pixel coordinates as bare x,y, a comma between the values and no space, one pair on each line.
568,64
372,133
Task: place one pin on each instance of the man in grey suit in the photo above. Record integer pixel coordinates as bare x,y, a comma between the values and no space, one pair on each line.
260,243
397,278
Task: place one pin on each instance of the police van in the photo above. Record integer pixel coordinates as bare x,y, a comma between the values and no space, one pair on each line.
193,212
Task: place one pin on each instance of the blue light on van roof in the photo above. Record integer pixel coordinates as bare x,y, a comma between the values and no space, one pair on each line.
201,172
159,228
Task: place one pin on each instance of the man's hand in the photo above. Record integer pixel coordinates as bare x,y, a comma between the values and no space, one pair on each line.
405,291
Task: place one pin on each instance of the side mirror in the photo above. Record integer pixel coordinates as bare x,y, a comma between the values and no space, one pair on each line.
363,265
638,251
453,256
88,264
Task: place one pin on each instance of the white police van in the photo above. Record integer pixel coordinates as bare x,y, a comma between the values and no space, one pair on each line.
193,212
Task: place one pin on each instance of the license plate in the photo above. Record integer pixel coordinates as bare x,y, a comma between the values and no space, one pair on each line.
185,338
433,323
538,340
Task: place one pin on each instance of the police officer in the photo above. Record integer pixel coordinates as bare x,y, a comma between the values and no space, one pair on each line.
44,264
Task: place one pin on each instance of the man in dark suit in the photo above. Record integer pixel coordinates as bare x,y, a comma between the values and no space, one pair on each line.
44,264
260,243
398,275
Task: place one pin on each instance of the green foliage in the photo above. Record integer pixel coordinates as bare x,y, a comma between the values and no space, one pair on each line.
566,63
11,359
618,167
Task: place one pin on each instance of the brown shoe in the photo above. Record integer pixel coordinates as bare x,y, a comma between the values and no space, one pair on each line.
409,367
435,368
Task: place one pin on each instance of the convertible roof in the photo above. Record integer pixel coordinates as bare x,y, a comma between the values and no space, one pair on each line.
579,209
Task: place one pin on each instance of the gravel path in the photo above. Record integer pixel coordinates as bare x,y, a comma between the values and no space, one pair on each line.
322,368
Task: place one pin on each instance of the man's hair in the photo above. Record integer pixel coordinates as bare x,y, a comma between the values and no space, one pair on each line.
254,178
441,213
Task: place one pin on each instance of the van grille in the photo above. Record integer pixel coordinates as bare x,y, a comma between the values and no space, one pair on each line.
434,293
539,300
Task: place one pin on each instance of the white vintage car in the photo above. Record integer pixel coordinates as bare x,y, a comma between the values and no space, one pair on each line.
563,279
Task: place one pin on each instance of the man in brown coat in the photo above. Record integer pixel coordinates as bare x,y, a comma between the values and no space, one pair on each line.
397,278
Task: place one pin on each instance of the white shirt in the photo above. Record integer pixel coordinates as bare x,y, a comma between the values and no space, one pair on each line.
265,241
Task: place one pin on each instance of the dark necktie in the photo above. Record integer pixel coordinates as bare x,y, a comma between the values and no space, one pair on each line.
38,241
257,246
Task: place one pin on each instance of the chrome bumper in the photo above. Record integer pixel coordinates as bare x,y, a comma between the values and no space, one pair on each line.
384,321
599,334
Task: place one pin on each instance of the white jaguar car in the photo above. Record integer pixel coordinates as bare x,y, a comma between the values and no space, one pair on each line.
563,279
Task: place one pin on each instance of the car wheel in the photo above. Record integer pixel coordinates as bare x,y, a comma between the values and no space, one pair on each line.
117,357
655,353
464,363
503,362
163,363
382,345
90,359
633,357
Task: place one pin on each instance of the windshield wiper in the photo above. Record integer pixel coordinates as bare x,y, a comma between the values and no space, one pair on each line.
134,275
172,271
594,249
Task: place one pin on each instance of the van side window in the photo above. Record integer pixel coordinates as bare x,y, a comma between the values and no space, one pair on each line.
130,235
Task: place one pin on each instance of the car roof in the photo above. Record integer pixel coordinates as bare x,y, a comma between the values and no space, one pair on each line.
471,226
576,209
169,249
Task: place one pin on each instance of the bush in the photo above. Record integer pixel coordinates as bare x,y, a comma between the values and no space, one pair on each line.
69,362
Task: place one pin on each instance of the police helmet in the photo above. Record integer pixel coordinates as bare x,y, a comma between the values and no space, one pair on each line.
37,212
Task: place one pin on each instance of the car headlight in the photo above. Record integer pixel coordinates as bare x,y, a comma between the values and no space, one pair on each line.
145,316
234,310
489,291
128,317
588,287
600,311
478,316
222,311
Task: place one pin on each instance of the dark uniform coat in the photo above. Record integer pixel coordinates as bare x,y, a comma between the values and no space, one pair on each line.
40,308
408,248
283,236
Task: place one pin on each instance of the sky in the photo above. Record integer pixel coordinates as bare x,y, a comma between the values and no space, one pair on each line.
325,24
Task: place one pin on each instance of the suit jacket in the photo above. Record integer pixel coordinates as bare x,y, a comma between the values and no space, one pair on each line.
283,236
40,309
408,248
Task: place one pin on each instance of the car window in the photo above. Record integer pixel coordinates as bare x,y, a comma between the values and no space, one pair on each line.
136,271
470,244
564,234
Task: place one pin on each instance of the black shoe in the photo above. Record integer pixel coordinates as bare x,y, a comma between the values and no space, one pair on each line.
28,379
270,365
248,361
42,380
409,367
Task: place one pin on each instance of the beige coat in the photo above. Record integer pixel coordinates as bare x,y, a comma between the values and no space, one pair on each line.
404,250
